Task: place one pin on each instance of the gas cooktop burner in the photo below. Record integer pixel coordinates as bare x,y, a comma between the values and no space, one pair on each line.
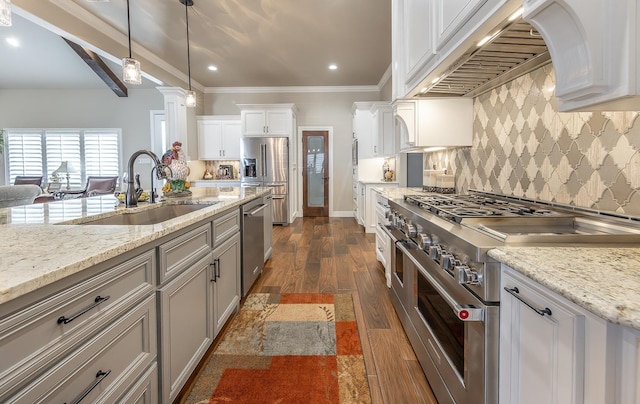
458,207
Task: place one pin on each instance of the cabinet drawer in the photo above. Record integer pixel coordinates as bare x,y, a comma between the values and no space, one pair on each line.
180,253
145,391
124,350
225,226
33,338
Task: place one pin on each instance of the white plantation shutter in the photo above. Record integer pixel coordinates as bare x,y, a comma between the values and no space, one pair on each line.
24,154
40,152
64,146
101,153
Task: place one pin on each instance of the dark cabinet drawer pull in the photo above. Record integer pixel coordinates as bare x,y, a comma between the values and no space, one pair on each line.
216,269
97,301
99,377
514,292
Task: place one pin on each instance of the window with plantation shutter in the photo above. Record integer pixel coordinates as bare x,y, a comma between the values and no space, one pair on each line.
23,154
64,146
90,152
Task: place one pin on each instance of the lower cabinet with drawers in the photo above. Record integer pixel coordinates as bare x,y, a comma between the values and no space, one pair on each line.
131,329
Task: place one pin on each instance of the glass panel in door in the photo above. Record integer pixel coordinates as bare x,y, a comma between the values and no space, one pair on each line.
315,170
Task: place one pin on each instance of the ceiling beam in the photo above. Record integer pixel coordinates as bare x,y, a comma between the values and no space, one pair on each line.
98,65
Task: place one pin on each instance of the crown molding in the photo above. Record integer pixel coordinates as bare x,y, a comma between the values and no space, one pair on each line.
291,89
385,77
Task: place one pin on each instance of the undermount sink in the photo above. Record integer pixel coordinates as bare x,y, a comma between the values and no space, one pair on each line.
155,215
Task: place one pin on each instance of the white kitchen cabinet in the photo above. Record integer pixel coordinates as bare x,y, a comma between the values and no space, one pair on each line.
361,203
382,131
434,122
628,369
371,202
267,119
418,36
219,137
594,51
451,15
362,129
383,241
225,281
551,350
373,127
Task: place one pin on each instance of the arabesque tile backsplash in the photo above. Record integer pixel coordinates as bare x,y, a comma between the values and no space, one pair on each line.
524,147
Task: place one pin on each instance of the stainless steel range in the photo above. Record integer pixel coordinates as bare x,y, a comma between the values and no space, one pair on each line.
446,289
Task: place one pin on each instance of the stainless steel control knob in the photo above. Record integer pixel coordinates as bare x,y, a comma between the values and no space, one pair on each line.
434,252
424,241
447,261
468,276
410,229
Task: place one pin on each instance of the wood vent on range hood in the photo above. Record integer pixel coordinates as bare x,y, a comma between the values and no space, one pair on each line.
516,50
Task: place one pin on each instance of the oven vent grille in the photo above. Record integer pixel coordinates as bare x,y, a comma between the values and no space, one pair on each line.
516,50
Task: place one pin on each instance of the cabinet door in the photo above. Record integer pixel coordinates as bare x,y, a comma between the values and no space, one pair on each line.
268,227
226,281
376,131
209,140
230,135
541,356
383,132
279,123
418,38
253,122
450,15
186,329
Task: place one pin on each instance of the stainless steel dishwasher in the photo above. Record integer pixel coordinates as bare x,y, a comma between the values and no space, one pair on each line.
252,242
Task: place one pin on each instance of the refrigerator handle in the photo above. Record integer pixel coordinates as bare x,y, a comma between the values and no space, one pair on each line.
264,160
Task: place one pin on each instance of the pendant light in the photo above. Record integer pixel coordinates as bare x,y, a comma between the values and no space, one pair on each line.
5,13
130,67
190,99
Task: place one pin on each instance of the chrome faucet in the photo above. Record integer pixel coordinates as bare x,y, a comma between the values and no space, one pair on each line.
131,198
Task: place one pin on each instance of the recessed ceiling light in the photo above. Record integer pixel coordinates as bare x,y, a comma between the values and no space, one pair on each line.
13,41
213,68
333,66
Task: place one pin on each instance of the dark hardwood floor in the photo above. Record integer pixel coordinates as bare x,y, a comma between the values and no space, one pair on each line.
335,255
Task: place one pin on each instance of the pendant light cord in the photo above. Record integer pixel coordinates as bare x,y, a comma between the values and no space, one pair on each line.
186,14
129,28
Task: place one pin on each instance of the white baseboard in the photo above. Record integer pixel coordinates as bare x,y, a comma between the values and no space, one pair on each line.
341,213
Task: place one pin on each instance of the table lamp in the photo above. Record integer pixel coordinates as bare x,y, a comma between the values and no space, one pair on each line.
65,168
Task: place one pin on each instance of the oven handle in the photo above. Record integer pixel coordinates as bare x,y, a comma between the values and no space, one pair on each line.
515,293
464,312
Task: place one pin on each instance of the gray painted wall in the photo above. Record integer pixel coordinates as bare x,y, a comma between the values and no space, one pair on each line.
95,108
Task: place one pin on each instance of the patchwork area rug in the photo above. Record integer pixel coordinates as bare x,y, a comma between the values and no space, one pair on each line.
289,348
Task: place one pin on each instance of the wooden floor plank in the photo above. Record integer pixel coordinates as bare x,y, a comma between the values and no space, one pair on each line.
374,315
392,371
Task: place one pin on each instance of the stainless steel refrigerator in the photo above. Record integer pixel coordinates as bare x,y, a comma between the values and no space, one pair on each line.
265,163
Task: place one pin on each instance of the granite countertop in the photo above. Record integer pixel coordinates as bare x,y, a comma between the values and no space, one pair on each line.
43,243
603,281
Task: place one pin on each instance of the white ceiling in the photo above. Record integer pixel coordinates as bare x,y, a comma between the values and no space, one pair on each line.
254,43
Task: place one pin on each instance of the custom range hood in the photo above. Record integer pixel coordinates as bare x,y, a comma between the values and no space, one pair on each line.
594,48
513,49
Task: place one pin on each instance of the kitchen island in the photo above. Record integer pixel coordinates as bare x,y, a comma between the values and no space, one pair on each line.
119,312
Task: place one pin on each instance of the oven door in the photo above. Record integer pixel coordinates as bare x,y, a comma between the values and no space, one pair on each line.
459,332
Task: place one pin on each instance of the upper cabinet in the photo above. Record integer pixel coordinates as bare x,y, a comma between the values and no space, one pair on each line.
451,15
267,119
219,137
373,127
434,122
594,51
382,130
